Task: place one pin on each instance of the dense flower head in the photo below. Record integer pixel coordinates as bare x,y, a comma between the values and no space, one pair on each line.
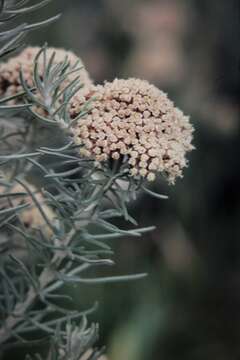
133,120
10,83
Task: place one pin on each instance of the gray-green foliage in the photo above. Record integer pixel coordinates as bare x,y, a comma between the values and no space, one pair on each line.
84,199
13,36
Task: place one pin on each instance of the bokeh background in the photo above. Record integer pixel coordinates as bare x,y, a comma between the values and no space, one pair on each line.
189,305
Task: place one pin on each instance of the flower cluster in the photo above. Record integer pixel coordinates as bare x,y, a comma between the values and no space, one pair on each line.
132,120
10,83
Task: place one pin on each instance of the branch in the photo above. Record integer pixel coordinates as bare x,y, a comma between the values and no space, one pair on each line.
47,276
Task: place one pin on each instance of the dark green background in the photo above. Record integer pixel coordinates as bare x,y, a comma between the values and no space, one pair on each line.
189,306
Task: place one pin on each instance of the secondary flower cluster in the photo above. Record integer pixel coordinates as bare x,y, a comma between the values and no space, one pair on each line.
10,83
133,120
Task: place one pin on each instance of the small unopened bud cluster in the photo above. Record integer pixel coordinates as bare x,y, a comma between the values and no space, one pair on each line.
133,120
29,216
10,83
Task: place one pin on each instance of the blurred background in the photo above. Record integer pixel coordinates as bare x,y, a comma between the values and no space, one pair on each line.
189,305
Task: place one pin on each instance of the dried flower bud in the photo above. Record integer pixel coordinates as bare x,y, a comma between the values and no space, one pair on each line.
158,134
88,354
